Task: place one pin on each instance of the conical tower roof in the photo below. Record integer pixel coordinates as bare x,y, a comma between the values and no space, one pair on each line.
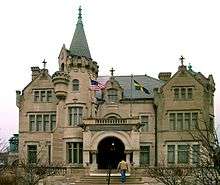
79,45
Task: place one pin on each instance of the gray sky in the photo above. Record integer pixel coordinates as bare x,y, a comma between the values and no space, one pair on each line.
133,36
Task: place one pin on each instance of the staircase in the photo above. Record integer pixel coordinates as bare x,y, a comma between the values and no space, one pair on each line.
102,178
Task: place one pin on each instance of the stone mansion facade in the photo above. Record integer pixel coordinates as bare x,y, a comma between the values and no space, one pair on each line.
144,120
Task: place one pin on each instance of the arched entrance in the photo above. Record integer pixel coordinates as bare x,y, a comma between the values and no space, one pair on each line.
110,152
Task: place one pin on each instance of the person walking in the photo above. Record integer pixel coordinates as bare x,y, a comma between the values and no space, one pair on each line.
122,168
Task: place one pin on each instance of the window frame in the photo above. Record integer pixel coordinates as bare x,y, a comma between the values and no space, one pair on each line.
112,95
74,152
75,115
144,152
75,85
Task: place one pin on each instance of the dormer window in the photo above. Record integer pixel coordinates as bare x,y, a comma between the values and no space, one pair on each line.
112,95
75,85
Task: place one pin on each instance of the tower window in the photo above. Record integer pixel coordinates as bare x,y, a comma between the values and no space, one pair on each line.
75,115
112,95
75,85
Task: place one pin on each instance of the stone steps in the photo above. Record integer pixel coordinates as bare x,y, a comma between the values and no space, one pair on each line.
103,179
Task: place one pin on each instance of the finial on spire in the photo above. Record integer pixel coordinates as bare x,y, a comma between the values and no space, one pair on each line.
44,62
182,59
112,71
80,12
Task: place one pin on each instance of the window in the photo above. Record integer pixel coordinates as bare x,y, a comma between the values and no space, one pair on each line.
39,123
172,121
183,154
32,153
195,154
179,121
43,95
49,96
46,123
176,93
194,120
75,85
183,93
75,115
144,155
171,154
183,120
186,125
189,93
144,122
32,122
36,96
112,95
53,121
42,122
74,152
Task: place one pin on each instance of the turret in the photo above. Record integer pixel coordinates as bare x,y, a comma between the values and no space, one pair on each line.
60,80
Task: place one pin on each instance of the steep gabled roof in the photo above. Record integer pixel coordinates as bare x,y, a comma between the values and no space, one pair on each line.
127,83
79,45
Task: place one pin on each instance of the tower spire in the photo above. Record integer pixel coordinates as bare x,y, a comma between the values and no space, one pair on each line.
79,45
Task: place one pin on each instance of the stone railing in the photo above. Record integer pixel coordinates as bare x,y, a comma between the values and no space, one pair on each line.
118,121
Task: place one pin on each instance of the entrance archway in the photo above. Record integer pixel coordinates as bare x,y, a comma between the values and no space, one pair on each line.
110,153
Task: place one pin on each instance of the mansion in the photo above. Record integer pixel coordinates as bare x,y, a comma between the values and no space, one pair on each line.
64,118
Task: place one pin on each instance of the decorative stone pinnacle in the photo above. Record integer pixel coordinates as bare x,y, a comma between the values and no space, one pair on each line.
182,59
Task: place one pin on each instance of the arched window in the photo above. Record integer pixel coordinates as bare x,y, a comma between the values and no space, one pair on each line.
112,95
75,85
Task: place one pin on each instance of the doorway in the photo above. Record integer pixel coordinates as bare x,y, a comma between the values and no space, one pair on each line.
110,153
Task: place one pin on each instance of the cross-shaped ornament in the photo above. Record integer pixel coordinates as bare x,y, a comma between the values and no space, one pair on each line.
182,59
112,71
44,62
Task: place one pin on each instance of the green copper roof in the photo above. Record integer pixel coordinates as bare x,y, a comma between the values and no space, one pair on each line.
79,45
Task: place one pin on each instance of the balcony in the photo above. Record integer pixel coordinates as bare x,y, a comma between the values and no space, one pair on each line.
120,124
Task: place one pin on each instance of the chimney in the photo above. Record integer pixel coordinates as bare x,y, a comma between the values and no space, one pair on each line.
35,72
164,76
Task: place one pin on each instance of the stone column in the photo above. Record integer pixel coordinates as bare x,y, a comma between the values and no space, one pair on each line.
94,161
128,156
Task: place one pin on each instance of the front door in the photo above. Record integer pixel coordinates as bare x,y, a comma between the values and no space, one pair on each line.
110,153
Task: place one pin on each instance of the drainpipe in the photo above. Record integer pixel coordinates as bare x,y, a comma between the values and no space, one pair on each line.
155,128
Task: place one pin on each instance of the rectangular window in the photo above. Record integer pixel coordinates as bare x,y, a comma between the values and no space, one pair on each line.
187,119
32,153
194,121
39,123
75,115
52,122
189,93
144,122
183,154
36,96
171,154
172,117
183,93
74,152
32,123
179,121
43,96
46,123
195,154
144,155
49,96
176,93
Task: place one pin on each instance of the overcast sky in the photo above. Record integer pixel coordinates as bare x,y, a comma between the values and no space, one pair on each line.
133,36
